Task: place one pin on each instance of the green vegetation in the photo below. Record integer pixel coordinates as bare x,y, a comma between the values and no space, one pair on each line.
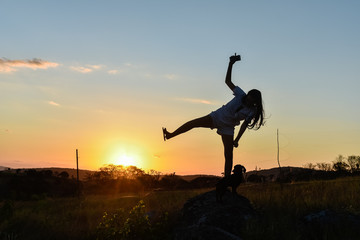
83,218
119,203
283,209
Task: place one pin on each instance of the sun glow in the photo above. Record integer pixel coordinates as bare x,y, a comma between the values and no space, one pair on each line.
125,153
126,160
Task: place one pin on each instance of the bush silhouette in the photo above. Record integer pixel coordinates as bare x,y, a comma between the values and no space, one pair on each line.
134,224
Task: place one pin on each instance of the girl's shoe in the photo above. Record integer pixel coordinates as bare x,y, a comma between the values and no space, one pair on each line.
164,133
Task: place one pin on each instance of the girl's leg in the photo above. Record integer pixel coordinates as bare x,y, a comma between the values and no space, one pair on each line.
228,141
205,122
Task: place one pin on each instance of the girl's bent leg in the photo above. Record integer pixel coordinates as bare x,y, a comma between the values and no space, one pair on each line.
205,122
228,152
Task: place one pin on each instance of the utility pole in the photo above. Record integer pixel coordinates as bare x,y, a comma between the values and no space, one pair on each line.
281,177
77,166
278,148
77,172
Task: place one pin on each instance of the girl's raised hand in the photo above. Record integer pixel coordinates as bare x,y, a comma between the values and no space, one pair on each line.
235,58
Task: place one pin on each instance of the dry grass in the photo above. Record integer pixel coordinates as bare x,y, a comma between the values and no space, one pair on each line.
281,211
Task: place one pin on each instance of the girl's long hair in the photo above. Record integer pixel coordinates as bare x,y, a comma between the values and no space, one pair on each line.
258,119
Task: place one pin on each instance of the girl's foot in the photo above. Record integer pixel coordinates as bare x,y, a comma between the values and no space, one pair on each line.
164,133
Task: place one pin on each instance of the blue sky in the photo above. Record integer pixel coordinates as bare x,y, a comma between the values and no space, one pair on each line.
117,71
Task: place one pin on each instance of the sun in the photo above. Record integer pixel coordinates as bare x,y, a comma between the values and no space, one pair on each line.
126,160
125,155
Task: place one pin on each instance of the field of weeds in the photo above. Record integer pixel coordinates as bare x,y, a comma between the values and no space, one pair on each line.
304,210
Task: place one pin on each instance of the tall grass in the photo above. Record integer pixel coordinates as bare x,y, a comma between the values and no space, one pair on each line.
340,194
78,218
281,211
283,207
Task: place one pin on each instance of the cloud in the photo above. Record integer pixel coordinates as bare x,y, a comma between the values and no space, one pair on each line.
5,131
7,65
96,67
113,72
54,103
195,100
170,76
81,69
86,69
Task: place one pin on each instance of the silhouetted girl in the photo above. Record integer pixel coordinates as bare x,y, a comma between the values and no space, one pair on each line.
243,107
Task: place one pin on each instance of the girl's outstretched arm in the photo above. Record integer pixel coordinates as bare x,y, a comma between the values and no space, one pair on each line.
241,131
228,80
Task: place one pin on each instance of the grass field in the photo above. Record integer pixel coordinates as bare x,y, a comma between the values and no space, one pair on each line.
281,208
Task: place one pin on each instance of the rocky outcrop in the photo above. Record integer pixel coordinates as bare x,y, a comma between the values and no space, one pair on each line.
204,218
327,217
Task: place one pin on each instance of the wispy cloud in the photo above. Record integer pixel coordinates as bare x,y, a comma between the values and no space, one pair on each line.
86,69
81,69
170,76
96,67
5,131
113,72
8,66
196,100
54,103
129,65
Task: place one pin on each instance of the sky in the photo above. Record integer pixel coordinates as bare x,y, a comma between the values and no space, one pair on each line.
104,77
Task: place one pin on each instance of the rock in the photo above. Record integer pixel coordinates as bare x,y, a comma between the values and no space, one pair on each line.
331,217
204,218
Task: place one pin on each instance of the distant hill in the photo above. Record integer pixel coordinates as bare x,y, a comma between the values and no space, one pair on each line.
270,174
189,178
294,174
71,171
83,173
2,168
275,171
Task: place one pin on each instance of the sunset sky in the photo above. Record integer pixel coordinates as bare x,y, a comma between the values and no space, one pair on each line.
105,76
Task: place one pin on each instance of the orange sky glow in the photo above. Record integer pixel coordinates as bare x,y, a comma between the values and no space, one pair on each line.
98,78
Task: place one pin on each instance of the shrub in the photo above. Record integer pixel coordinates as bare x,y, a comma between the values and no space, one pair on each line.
134,224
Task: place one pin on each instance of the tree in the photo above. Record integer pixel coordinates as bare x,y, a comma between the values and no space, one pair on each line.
310,166
133,172
339,165
47,173
324,166
354,162
111,171
64,174
155,174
